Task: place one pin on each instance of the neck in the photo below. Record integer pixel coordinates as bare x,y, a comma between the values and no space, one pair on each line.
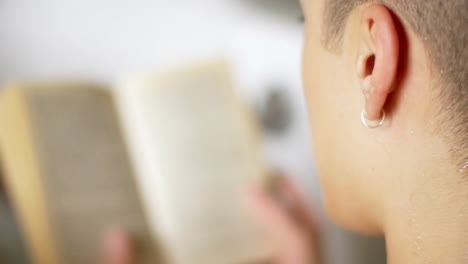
430,223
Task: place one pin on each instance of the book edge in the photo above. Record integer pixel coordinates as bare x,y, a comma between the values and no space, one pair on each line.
27,192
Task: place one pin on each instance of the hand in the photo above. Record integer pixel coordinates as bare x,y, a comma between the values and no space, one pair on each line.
118,248
289,221
293,228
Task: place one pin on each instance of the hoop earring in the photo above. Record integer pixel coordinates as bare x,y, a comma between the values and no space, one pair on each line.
372,124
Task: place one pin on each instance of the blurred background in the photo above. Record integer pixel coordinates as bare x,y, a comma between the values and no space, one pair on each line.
103,40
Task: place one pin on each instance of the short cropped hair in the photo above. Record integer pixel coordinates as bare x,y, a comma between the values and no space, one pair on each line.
442,25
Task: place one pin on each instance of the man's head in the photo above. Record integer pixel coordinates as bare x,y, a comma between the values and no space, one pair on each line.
406,58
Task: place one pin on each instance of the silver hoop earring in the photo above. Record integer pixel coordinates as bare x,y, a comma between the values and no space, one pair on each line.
372,123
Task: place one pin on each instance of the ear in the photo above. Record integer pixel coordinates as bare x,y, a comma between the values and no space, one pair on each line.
378,58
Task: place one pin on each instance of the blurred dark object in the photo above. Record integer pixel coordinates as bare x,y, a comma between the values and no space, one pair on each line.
276,110
2,188
365,249
289,9
12,249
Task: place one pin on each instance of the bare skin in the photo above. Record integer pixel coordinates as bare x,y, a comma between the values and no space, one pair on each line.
117,248
399,180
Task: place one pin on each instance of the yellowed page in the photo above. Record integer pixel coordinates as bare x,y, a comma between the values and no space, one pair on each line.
195,149
83,174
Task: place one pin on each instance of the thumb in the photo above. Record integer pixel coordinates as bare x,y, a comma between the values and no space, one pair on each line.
117,248
291,242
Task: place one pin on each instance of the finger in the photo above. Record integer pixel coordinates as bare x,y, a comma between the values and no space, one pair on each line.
302,212
118,248
291,242
296,204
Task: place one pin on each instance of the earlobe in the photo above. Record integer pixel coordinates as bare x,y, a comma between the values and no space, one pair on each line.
377,67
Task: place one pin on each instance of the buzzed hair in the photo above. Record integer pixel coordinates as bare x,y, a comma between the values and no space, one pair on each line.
442,25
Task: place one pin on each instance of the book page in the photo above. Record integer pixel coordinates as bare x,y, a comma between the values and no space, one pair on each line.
85,171
195,148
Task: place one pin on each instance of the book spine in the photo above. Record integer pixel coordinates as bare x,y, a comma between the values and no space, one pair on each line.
17,148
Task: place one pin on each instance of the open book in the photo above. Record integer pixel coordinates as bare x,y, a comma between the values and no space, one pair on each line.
174,178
